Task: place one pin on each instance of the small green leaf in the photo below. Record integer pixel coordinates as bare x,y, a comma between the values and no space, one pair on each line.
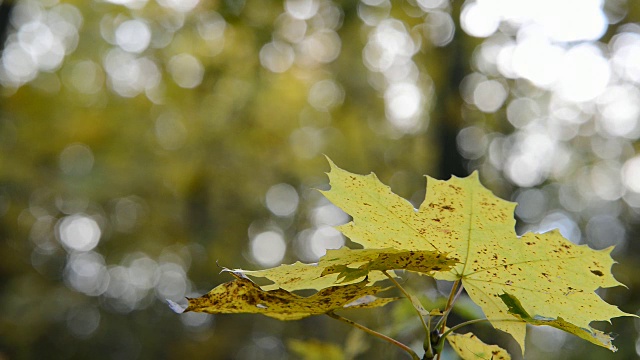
514,306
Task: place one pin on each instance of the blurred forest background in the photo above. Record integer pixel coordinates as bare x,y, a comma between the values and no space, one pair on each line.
142,141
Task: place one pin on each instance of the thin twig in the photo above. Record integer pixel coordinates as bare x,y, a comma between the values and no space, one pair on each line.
408,296
453,295
395,342
425,326
456,289
457,294
429,347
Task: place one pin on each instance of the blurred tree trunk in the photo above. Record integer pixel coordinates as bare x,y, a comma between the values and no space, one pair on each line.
453,61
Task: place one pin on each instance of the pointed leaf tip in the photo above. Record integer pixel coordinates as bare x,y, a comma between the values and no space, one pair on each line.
332,165
177,308
236,273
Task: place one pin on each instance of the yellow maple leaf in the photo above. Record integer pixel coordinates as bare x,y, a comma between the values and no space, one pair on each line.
296,276
346,266
469,347
244,296
355,264
553,277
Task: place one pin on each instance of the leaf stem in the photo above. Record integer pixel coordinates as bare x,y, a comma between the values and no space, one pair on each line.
476,321
457,294
425,326
395,342
429,348
456,289
408,296
440,327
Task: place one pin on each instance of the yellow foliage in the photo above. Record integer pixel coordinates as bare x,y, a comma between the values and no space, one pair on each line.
244,296
461,218
347,266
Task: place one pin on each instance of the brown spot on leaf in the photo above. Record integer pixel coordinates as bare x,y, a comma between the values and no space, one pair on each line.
597,272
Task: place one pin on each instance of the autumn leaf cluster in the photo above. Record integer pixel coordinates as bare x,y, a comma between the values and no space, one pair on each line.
462,233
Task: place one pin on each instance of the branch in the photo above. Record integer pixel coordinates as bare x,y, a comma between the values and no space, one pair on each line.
425,326
456,289
395,342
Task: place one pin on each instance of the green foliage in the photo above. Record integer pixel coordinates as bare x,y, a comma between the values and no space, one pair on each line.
462,233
